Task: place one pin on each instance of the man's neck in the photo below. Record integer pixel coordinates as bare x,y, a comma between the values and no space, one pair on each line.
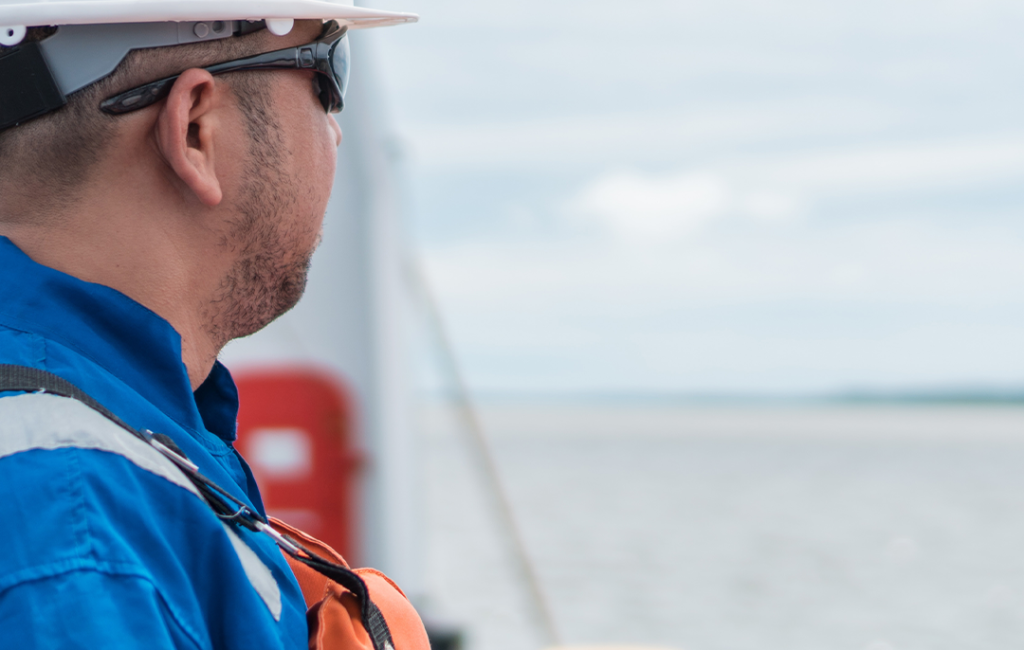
160,269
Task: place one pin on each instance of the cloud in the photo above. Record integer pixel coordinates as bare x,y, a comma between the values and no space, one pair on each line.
644,207
770,206
780,187
889,131
897,167
633,205
553,142
874,302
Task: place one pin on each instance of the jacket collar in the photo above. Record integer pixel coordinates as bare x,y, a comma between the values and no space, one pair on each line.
117,333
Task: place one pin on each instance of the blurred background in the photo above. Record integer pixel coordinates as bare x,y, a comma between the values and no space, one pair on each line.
737,291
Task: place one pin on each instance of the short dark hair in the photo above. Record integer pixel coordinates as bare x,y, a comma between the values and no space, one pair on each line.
58,150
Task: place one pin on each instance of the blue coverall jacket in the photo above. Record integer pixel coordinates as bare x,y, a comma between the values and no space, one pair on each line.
99,548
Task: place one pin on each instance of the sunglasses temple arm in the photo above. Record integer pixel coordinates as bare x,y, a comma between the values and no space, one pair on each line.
151,93
137,98
279,60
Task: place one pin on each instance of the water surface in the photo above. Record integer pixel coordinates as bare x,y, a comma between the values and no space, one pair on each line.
756,528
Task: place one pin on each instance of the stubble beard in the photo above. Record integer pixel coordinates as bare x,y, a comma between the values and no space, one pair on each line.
269,276
273,253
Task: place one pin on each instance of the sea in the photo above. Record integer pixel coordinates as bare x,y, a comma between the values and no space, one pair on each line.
731,526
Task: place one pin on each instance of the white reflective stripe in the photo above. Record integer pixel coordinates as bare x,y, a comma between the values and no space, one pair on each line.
262,579
43,421
48,422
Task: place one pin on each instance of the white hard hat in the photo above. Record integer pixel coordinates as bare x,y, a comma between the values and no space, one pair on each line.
29,13
93,36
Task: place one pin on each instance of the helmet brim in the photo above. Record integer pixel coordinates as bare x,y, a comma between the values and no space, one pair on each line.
93,12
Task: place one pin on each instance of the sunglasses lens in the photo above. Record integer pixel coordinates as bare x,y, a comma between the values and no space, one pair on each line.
340,65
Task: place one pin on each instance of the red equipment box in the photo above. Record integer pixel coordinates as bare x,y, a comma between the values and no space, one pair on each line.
296,430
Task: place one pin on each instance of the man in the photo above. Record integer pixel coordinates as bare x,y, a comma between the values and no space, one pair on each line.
142,227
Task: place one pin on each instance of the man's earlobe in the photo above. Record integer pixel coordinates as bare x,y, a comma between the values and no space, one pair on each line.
185,134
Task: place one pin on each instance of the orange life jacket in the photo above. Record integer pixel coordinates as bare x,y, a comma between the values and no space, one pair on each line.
333,614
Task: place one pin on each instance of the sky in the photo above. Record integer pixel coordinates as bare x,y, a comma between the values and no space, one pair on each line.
729,196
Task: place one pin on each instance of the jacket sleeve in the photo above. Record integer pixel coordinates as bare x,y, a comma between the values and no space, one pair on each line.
85,608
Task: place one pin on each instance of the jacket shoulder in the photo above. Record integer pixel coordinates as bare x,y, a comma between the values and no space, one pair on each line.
89,495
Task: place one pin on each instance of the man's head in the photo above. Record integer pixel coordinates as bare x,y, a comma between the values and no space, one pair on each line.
58,150
238,167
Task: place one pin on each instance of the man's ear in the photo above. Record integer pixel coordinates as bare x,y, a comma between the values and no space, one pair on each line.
185,131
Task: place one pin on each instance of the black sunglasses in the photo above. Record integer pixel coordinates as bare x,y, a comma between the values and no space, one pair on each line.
328,56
